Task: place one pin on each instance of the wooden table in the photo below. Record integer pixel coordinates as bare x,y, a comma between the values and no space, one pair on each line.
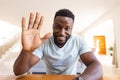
37,77
50,77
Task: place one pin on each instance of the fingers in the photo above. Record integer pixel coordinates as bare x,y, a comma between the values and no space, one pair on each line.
46,36
23,24
40,23
31,18
36,22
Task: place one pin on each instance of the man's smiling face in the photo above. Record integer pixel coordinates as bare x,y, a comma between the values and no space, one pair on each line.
62,29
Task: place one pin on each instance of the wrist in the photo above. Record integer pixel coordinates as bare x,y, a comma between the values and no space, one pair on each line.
25,51
80,78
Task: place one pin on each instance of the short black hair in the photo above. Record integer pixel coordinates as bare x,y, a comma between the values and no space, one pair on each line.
64,12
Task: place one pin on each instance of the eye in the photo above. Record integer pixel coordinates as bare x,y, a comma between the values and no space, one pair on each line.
57,27
67,28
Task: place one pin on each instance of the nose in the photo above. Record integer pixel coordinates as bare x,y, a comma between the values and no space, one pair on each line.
62,32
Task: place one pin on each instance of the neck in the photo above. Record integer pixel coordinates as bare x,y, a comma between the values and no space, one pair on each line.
60,45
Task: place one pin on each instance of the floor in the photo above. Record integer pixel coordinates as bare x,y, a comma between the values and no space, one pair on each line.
108,68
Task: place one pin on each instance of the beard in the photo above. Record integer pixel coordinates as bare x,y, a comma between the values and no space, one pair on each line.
59,39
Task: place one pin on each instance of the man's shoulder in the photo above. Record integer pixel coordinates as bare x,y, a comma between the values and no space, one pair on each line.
49,40
77,37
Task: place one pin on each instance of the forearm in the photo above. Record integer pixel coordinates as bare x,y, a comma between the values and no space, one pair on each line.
21,64
93,72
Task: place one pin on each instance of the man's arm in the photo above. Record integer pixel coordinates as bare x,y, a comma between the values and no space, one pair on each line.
31,40
24,62
94,68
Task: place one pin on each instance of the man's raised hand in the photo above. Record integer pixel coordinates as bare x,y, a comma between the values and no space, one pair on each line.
31,35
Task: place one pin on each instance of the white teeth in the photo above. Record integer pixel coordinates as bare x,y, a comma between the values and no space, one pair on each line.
61,37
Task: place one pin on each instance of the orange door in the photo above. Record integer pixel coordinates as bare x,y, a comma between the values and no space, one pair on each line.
99,42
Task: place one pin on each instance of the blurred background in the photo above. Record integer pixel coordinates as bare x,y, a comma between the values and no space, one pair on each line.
98,21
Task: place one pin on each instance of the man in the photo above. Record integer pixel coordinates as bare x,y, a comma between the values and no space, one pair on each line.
60,51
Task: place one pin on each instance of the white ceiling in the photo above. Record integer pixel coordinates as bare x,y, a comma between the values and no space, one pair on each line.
86,11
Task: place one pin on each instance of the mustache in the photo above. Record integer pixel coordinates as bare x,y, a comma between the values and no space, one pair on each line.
55,35
61,36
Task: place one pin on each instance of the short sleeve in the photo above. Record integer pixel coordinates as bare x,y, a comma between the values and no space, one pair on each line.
83,47
39,51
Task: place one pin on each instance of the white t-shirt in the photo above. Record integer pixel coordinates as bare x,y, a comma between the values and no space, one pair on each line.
62,60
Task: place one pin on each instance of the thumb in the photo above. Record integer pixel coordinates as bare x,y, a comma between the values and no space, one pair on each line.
46,37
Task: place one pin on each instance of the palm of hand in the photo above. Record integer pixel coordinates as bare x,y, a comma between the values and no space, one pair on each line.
31,39
31,36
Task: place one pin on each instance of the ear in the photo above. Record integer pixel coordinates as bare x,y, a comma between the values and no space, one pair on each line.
53,26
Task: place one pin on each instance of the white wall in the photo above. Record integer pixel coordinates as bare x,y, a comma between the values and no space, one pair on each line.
104,29
110,33
117,36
